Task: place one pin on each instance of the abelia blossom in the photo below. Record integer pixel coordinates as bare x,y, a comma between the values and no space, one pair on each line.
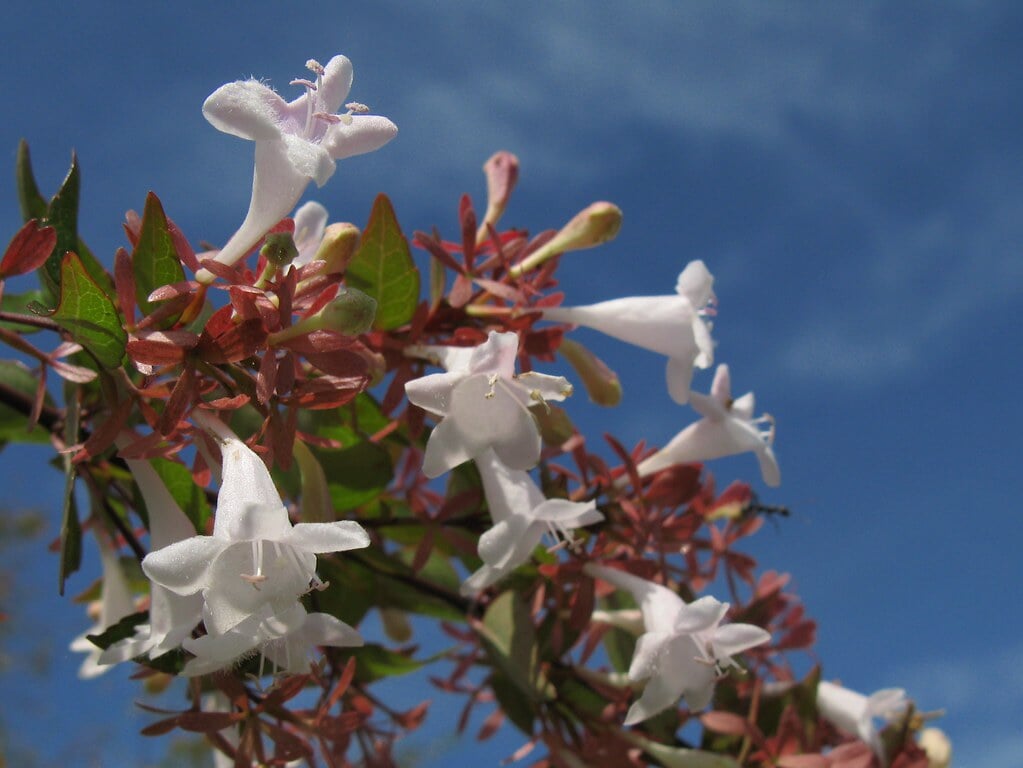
115,603
172,617
310,224
484,404
727,428
521,515
296,142
683,650
670,325
858,715
256,563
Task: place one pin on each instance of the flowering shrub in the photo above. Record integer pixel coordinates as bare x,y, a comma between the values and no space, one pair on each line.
270,440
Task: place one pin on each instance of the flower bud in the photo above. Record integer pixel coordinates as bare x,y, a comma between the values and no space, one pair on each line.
502,171
279,248
351,312
601,382
595,224
338,246
936,744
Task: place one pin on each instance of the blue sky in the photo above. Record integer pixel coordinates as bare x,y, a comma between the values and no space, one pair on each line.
852,173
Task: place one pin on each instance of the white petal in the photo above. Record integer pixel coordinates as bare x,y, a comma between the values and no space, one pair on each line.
567,512
843,708
183,567
445,450
509,543
679,375
733,639
696,283
539,387
248,505
310,222
167,523
335,84
247,109
496,355
673,671
327,537
660,606
509,491
324,629
651,647
721,388
700,615
365,133
171,618
433,393
485,416
309,160
482,579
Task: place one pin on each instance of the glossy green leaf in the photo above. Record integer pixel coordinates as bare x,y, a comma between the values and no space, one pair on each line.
122,630
70,527
510,639
189,496
155,260
88,314
383,268
357,474
62,215
13,422
514,703
18,303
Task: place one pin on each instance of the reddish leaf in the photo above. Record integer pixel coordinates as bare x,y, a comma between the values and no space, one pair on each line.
803,761
28,249
206,722
727,723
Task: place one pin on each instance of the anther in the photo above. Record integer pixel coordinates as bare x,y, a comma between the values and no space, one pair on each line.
315,67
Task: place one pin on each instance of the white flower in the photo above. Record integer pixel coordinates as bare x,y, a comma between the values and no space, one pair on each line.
684,648
522,515
172,617
484,404
727,428
256,564
670,325
857,714
296,142
115,601
310,224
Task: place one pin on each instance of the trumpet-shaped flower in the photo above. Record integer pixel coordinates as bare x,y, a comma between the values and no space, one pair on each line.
684,648
671,325
255,563
522,515
310,224
115,603
296,142
857,714
172,617
727,428
484,404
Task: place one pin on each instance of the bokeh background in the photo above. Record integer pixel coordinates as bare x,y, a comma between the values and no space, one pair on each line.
852,173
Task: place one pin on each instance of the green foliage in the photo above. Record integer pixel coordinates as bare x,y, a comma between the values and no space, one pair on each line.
70,527
189,496
154,261
19,302
383,268
87,313
510,640
13,423
374,662
122,630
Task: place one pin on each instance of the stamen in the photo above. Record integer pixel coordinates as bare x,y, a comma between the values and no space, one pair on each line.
304,83
492,381
256,578
315,67
537,397
355,107
327,117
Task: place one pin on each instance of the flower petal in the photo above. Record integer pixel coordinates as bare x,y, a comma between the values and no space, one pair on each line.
247,109
660,606
433,393
365,133
679,375
509,491
445,450
310,222
167,523
327,537
324,629
700,615
183,567
309,160
733,639
509,543
696,283
248,505
335,84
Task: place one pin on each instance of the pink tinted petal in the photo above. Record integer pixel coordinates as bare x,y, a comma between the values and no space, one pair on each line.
248,506
327,537
183,567
310,222
696,283
336,83
365,133
309,160
733,639
496,354
247,109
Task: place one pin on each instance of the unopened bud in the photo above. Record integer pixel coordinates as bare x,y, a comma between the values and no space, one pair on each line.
351,313
554,422
279,248
601,382
595,224
396,625
502,171
338,246
936,744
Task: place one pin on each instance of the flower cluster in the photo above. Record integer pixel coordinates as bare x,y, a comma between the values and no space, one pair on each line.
290,381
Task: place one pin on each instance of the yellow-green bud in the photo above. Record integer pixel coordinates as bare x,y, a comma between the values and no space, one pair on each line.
351,312
601,382
595,224
338,246
279,248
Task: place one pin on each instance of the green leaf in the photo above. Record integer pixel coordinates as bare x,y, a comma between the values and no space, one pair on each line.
357,474
373,662
13,422
155,260
189,496
62,215
18,302
122,630
510,639
70,528
383,268
33,205
88,314
514,703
